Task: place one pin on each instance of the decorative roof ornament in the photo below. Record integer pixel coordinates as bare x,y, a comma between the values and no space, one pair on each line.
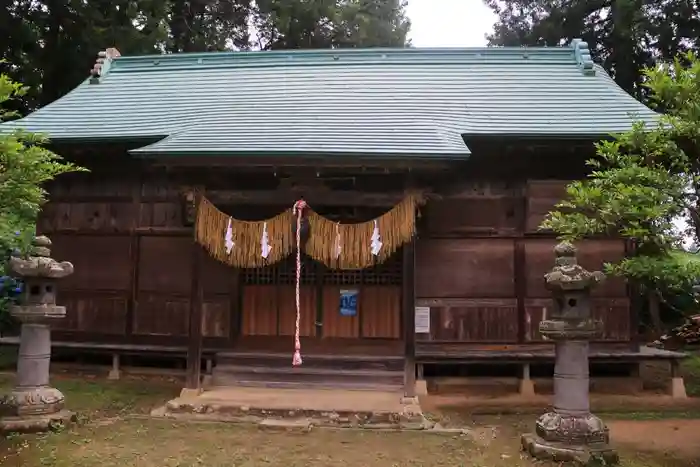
101,67
583,57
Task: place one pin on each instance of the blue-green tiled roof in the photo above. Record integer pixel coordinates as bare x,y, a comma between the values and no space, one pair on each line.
394,102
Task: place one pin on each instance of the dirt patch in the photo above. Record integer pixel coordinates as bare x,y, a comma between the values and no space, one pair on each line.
467,405
681,438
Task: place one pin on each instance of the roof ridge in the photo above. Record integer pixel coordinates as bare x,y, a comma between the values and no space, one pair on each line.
344,57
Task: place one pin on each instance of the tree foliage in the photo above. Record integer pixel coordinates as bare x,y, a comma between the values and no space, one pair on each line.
50,45
330,23
624,35
643,181
25,166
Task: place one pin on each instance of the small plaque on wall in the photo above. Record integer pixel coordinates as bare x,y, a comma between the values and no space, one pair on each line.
422,320
348,302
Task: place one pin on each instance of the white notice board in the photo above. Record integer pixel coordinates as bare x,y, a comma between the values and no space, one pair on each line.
422,320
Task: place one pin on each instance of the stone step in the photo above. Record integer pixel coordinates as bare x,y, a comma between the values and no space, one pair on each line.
334,362
228,381
327,377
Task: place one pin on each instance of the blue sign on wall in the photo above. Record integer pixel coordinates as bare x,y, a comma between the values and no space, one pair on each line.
348,302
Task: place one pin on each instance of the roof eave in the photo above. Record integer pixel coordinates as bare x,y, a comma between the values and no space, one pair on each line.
306,154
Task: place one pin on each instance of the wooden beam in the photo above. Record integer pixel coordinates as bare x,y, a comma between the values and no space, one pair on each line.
409,318
350,161
313,197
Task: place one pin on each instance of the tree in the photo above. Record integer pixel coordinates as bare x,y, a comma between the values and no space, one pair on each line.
298,24
25,166
208,25
641,182
624,35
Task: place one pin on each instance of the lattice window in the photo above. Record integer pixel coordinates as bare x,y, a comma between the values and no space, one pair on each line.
283,272
387,273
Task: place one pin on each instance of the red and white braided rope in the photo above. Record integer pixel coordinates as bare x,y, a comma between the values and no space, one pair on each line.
298,208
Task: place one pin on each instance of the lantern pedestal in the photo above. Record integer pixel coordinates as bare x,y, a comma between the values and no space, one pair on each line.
33,405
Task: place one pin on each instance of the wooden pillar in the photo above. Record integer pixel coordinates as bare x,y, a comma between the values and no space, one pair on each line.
519,266
134,256
520,284
194,349
409,319
634,295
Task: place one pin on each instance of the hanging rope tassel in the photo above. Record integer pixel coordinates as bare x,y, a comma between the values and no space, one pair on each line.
298,208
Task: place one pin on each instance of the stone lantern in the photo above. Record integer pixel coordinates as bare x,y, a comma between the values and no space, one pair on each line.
33,405
570,432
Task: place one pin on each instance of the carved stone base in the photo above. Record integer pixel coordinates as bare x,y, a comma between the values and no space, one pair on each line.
588,455
572,429
30,402
36,423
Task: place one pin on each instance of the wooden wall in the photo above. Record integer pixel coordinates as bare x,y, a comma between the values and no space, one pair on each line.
132,252
132,256
480,261
479,266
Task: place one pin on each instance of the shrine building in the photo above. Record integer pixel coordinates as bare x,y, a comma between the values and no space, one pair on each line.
421,177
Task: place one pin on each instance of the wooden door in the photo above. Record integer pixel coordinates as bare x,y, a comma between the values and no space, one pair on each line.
268,305
378,312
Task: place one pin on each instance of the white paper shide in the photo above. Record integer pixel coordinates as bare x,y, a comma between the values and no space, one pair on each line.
376,244
265,247
228,238
337,247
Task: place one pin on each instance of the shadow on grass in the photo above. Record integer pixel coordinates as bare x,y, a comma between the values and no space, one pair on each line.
690,369
93,400
91,396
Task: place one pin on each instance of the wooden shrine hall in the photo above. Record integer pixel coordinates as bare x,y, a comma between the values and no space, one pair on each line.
424,175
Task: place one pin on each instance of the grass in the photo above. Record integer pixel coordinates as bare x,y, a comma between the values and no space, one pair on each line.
93,398
691,371
108,435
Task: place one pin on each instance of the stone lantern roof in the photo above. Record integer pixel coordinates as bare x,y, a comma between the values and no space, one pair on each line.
40,264
567,275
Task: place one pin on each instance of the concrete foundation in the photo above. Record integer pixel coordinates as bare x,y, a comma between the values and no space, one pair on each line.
319,407
526,388
677,388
